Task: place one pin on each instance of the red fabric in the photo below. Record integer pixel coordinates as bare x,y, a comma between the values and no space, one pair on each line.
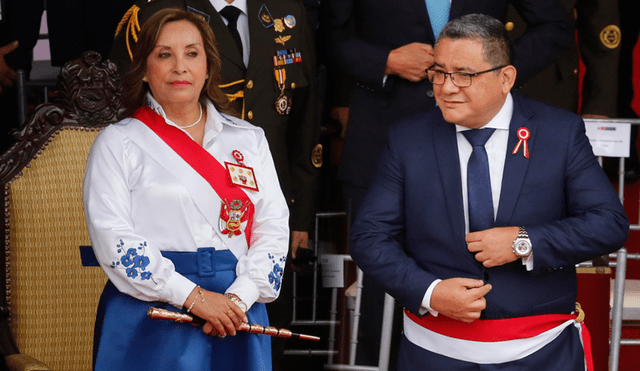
586,345
494,329
199,159
635,78
501,329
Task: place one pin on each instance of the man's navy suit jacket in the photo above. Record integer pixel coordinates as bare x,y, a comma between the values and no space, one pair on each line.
560,194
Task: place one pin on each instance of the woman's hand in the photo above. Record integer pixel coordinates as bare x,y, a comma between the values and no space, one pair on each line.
222,316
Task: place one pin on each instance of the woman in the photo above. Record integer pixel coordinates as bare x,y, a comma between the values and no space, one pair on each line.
184,210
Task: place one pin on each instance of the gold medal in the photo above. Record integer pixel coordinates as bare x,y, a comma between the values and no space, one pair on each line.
233,217
283,103
282,39
278,25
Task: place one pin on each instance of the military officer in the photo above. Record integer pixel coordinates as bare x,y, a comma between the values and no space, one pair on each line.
269,72
599,36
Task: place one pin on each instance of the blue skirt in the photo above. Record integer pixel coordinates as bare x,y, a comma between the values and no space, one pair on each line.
126,339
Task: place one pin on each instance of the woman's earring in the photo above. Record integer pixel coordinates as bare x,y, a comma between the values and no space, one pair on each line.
144,79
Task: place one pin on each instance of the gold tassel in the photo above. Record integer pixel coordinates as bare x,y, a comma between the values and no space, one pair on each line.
236,95
133,26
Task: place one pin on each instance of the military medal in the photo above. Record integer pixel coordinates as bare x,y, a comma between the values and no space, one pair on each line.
282,39
241,175
204,15
265,17
278,25
286,56
290,21
233,218
523,136
283,103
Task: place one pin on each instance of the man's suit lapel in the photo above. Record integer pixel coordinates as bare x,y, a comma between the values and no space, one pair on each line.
226,45
446,150
516,165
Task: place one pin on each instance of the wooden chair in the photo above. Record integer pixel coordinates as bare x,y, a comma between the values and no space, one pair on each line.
50,299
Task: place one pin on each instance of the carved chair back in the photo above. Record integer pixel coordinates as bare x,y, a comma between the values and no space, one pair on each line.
51,298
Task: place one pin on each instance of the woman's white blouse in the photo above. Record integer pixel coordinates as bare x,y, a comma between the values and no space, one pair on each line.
137,205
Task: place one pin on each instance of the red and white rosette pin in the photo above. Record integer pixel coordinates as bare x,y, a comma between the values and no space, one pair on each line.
238,156
523,136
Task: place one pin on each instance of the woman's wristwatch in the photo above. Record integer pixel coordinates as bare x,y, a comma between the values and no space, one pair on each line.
236,300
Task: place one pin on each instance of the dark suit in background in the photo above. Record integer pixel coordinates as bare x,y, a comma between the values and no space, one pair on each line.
598,44
76,26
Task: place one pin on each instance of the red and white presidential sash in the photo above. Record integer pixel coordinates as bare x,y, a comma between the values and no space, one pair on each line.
491,341
204,164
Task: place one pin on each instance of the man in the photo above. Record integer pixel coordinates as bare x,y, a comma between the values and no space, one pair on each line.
386,47
269,71
537,204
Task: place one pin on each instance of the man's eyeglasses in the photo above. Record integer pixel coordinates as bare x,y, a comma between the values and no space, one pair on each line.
459,79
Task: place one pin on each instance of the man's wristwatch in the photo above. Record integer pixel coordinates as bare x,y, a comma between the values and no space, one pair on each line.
236,300
522,244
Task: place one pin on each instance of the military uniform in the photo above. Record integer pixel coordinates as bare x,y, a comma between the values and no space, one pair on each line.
278,29
598,26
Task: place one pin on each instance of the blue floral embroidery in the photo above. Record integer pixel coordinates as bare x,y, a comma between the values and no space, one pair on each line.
133,261
132,272
127,259
275,276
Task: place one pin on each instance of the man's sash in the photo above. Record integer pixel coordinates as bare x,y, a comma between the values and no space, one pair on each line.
491,341
199,159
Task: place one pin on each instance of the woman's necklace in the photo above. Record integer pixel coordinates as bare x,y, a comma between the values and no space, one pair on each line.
195,123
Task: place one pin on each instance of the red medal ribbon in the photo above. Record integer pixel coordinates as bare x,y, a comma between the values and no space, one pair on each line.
523,135
199,159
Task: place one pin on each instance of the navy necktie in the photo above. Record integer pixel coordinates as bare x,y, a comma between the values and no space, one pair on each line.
478,181
231,14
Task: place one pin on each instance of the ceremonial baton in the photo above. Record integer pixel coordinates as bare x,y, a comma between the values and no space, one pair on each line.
158,313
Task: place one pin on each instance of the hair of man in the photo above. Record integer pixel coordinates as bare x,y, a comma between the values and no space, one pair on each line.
496,44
